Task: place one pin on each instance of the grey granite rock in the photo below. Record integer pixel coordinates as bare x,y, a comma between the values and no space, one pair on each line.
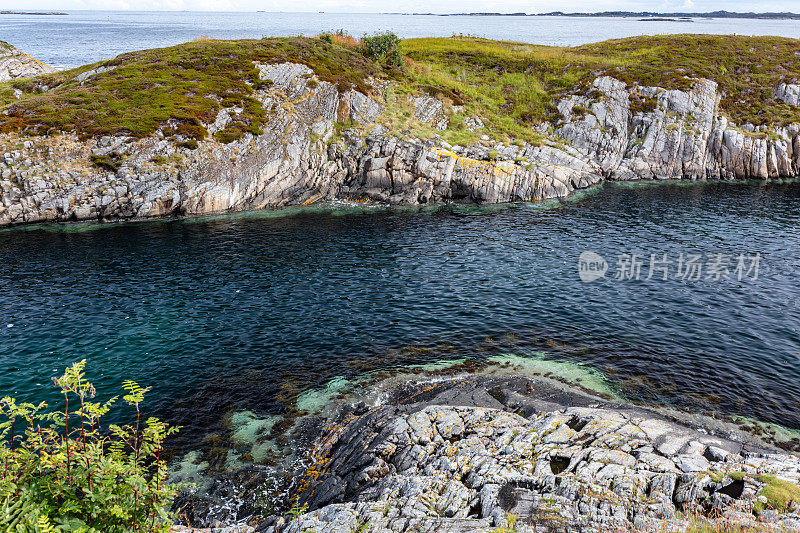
83,76
15,64
788,93
447,463
430,110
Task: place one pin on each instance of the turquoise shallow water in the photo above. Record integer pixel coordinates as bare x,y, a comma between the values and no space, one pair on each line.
243,312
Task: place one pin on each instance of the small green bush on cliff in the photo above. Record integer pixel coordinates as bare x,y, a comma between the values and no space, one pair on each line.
383,48
110,162
60,471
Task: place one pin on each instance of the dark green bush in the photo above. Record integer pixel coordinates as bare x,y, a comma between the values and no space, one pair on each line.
382,47
110,162
228,135
60,471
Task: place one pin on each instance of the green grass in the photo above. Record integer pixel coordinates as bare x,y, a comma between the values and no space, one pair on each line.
187,84
510,86
779,493
511,527
717,477
515,85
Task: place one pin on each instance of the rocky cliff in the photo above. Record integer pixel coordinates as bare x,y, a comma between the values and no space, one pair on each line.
16,64
320,143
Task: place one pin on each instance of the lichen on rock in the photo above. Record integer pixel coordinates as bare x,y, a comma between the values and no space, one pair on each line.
16,64
472,454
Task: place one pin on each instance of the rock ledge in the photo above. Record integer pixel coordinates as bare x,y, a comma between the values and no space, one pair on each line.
513,453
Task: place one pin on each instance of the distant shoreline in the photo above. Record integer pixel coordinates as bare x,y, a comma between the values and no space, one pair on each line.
6,12
664,19
641,15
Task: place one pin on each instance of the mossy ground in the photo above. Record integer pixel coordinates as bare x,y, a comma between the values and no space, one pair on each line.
780,494
185,84
513,85
510,86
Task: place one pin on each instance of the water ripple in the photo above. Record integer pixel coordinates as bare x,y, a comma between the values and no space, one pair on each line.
233,312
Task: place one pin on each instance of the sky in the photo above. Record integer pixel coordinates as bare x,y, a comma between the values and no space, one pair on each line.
382,6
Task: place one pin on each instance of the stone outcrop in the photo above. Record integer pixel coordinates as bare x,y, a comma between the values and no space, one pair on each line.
429,110
788,93
15,64
301,157
491,453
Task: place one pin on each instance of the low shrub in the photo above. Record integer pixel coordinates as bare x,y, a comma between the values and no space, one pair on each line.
382,47
341,38
344,40
228,135
110,162
61,471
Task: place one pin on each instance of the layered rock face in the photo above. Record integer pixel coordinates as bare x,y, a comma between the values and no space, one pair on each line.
15,64
301,157
494,454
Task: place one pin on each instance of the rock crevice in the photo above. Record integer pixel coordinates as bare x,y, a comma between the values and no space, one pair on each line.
454,462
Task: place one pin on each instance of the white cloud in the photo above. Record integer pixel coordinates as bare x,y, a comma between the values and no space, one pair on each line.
216,5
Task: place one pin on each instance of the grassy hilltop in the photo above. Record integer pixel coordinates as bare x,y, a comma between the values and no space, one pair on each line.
511,86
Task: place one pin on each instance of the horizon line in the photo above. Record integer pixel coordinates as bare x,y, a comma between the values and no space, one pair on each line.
39,12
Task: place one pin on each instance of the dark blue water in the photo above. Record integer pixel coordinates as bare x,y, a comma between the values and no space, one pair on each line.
86,36
242,312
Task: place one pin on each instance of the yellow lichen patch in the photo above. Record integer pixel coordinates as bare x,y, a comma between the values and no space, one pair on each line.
498,169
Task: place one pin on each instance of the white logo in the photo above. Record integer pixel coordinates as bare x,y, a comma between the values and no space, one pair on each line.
591,266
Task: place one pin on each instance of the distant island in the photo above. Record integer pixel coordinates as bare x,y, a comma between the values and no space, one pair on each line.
709,15
642,15
665,19
32,13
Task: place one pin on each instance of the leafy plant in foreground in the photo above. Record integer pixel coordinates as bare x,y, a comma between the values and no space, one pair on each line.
61,471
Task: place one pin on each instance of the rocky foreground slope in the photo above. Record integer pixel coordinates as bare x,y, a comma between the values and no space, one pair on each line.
320,143
517,454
